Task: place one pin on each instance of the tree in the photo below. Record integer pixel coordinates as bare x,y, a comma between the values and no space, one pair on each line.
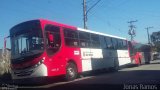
155,39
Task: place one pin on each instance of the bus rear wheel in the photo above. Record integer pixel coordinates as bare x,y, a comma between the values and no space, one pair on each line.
115,68
71,72
116,65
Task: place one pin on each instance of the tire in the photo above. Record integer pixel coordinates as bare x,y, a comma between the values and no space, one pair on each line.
116,66
71,71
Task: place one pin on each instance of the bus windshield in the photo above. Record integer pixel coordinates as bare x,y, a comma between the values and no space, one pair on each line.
26,40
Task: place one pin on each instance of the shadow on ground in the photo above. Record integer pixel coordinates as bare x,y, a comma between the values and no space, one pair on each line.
5,78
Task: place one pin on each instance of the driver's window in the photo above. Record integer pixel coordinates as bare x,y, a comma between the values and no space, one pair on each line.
50,39
53,40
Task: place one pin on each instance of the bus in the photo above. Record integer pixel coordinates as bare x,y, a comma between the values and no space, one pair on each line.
139,53
135,52
43,48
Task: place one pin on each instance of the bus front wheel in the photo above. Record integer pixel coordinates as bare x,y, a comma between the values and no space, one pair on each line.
71,72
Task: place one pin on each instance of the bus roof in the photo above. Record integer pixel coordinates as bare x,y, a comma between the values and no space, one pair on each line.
86,30
68,26
80,29
57,23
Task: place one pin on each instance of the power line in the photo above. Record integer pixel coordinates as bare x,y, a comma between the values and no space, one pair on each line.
93,6
89,1
102,4
109,24
85,12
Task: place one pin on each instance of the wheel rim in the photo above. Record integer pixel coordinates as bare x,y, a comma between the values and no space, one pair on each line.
71,72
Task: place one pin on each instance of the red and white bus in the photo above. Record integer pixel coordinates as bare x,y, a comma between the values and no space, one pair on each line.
135,52
139,53
42,48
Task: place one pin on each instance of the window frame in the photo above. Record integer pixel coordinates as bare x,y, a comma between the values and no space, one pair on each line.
95,39
84,41
103,42
70,37
114,43
48,49
111,42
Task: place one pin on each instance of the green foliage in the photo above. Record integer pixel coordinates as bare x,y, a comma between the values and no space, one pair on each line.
155,39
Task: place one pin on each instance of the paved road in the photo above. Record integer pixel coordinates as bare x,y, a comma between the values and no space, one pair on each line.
141,77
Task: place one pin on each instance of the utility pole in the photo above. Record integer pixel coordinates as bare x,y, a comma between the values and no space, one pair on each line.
84,14
147,28
131,31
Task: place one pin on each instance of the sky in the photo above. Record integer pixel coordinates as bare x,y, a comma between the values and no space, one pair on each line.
108,16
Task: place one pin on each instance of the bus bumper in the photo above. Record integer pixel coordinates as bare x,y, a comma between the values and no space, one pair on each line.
39,71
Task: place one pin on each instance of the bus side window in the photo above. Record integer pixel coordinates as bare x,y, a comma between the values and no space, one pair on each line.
120,43
53,40
125,44
95,43
84,39
109,44
102,42
115,43
71,37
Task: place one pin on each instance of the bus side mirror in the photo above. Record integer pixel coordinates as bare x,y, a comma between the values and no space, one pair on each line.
5,41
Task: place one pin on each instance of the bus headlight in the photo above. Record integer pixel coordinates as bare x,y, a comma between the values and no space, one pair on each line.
39,63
